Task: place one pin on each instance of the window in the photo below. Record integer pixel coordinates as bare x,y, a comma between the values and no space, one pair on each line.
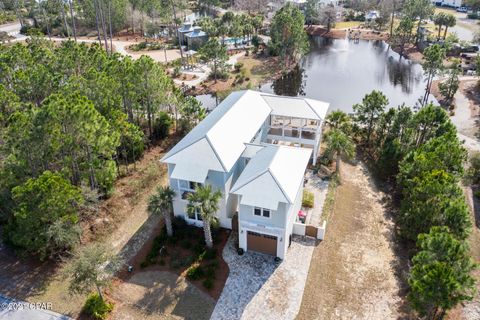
187,187
195,216
260,212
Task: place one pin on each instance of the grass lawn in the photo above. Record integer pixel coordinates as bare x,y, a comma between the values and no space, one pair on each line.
347,24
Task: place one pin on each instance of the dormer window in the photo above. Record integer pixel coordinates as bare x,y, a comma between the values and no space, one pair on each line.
261,212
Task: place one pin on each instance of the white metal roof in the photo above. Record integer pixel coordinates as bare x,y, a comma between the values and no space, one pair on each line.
185,172
273,175
296,107
219,140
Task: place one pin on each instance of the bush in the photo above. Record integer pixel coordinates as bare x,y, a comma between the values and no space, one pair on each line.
238,66
208,283
176,72
210,254
162,125
308,199
195,273
185,244
96,307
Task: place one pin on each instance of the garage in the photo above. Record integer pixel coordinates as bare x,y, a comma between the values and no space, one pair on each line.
263,243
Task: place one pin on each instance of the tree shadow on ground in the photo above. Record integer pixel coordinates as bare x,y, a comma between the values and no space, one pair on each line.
21,278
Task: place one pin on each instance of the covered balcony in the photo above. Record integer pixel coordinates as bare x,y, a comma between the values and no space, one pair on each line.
294,128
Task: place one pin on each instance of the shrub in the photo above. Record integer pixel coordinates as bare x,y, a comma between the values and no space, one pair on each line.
162,125
97,307
238,66
195,273
176,72
199,248
308,199
210,254
208,283
185,244
144,264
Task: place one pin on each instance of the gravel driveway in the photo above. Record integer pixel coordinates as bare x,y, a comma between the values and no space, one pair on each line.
260,288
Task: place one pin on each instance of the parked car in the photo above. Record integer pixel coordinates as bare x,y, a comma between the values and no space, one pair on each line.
462,9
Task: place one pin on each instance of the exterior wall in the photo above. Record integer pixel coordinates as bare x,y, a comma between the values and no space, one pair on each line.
292,215
195,43
275,226
219,181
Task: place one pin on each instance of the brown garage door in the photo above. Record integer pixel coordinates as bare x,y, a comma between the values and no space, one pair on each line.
262,243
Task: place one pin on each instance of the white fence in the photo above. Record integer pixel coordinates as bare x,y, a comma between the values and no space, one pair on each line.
308,230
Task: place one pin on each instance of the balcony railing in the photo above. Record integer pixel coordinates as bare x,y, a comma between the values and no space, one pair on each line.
292,132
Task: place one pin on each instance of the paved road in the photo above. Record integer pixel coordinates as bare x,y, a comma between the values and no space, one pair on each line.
19,310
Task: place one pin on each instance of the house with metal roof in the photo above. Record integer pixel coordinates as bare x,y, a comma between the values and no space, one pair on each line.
254,147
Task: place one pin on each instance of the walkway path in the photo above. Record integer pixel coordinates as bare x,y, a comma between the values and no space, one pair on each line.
13,29
259,288
463,119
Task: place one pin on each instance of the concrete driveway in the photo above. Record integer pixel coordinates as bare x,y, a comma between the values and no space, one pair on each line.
19,310
260,288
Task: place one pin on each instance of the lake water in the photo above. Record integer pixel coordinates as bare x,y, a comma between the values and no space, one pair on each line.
341,72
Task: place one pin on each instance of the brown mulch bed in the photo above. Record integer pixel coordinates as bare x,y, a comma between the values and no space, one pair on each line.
178,250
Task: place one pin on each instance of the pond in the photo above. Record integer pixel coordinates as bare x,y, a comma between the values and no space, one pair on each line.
341,72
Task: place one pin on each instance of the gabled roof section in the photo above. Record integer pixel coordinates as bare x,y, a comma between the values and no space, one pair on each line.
223,133
296,107
273,168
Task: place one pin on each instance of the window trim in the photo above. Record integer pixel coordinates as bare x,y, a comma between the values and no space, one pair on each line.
262,213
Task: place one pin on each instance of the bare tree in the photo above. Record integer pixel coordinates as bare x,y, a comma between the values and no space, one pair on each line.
328,16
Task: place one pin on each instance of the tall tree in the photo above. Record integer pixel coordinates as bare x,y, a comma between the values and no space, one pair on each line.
441,274
205,201
432,65
288,36
46,210
339,144
367,112
214,53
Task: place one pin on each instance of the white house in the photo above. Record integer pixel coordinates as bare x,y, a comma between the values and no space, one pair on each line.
254,147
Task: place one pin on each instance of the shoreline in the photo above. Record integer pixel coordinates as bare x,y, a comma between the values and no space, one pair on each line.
353,33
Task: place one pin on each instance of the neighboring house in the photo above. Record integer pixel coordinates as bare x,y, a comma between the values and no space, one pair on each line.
448,3
254,147
191,36
196,39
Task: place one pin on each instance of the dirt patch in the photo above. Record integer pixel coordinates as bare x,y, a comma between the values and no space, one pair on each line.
159,295
357,272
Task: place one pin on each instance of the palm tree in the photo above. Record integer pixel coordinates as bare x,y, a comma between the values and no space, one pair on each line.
339,120
338,144
439,20
450,21
204,201
161,203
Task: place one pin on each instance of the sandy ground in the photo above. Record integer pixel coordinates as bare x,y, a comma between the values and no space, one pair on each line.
354,273
160,295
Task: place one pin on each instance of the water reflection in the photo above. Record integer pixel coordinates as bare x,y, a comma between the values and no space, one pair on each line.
341,72
291,83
